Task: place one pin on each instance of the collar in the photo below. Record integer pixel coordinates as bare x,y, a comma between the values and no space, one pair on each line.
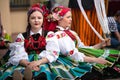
40,32
61,28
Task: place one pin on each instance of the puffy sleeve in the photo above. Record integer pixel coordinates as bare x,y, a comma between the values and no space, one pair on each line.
52,48
17,50
78,56
75,54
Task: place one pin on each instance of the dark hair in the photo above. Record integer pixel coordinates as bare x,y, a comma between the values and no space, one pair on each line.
28,28
117,13
34,7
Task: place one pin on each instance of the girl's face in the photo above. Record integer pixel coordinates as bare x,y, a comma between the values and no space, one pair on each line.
66,20
36,20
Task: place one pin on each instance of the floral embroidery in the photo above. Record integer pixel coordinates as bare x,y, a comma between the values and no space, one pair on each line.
50,35
58,36
18,40
63,34
71,52
55,52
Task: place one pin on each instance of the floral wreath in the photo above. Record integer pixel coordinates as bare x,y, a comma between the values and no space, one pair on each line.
51,18
58,13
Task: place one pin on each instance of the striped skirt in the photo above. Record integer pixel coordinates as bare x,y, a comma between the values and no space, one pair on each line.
112,68
64,67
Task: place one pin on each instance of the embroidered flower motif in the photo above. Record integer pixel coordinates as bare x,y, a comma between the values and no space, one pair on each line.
18,40
50,35
63,34
55,52
58,36
71,52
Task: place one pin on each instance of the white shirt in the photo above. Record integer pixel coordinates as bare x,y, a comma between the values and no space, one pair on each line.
67,45
18,51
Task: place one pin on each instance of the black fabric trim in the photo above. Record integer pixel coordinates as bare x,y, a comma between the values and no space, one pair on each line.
44,33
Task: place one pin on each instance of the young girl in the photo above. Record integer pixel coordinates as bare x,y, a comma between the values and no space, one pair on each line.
31,50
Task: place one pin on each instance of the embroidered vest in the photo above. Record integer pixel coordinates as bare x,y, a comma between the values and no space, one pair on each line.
35,43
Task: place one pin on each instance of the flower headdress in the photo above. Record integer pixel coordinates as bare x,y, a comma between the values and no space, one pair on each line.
52,19
34,8
59,12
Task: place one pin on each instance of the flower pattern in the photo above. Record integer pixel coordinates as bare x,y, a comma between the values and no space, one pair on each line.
33,44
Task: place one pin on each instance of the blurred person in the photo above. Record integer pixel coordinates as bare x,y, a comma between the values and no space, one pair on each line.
114,26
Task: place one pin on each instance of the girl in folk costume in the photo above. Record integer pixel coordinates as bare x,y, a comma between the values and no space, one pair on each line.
31,50
71,46
74,64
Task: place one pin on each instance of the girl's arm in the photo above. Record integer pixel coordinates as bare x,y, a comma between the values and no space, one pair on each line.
18,52
102,44
96,60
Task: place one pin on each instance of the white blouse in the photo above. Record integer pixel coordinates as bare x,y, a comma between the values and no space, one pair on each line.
67,45
58,43
18,51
